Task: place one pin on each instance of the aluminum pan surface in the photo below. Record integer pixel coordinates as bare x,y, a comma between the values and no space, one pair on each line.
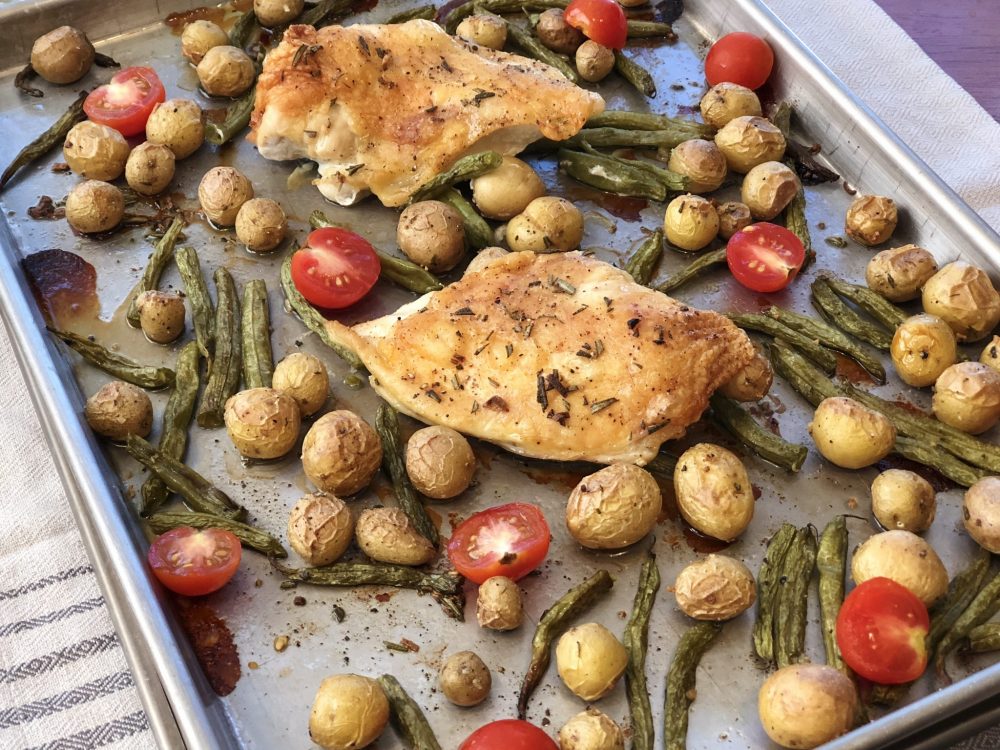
271,703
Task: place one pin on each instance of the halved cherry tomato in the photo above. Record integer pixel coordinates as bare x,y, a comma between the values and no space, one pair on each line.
881,632
336,268
126,102
507,540
765,257
600,20
509,734
740,58
193,562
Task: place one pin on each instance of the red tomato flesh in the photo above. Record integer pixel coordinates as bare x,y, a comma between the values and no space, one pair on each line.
507,540
765,257
600,20
881,631
335,269
740,58
193,562
126,102
509,734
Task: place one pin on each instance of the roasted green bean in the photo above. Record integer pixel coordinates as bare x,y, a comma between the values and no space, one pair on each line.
47,141
635,74
982,608
196,291
681,680
642,264
176,421
672,181
831,562
619,138
768,587
627,120
477,232
662,465
692,270
635,29
250,536
609,175
317,14
163,253
553,623
526,40
425,12
123,368
243,29
810,382
871,302
235,122
407,717
736,420
985,637
795,222
843,317
387,426
808,346
21,82
790,615
462,170
198,493
636,646
258,360
224,377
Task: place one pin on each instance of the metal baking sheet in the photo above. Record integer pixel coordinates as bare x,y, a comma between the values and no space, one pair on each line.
271,702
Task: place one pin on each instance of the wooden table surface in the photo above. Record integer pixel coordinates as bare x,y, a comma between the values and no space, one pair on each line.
962,36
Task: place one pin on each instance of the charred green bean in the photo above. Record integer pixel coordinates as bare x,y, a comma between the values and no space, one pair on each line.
768,587
736,420
831,562
163,253
635,74
196,291
843,317
985,604
462,170
224,377
47,141
692,270
317,14
258,360
793,597
642,264
21,82
831,337
250,536
121,367
636,646
681,680
407,717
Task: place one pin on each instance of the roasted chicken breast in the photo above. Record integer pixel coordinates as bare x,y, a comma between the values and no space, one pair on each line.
385,108
557,356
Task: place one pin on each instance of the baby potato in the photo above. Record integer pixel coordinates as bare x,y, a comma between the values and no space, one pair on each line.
150,168
221,193
733,217
701,162
303,377
614,507
922,348
713,491
94,206
963,297
547,225
871,219
991,354
556,34
904,500
500,605
849,434
320,528
747,141
717,588
768,188
594,61
690,222
199,37
119,409
341,453
387,535
226,71
177,124
905,558
803,706
591,730
727,101
431,234
64,55
273,13
590,660
464,679
504,192
261,224
899,274
484,29
161,315
439,462
95,151
752,382
967,397
349,712
262,422
981,513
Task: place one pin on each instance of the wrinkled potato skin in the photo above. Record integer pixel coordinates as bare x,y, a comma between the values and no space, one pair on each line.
991,354
118,410
261,224
221,193
690,222
303,377
440,462
903,500
547,225
349,712
161,315
225,71
899,274
713,491
556,34
199,37
905,558
387,535
803,706
981,513
768,188
727,101
922,348
96,152
590,660
150,168
431,234
594,61
64,55
701,162
614,507
733,217
465,680
871,219
717,588
500,604
851,435
963,297
752,382
341,453
178,124
273,13
506,191
484,30
967,397
320,528
591,730
94,206
262,422
748,141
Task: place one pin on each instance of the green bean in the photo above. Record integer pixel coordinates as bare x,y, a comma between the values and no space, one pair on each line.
554,622
636,646
250,536
843,317
400,271
311,317
801,374
985,637
692,270
224,377
931,453
662,465
790,635
526,40
636,75
47,141
672,181
317,14
619,137
407,717
425,12
176,421
387,426
681,680
795,222
198,493
635,29
21,82
477,232
627,120
982,608
196,291
464,169
831,562
123,368
871,302
604,173
643,262
258,361
446,588
768,588
781,118
163,253
812,349
236,119
736,420
246,24
810,171
829,336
